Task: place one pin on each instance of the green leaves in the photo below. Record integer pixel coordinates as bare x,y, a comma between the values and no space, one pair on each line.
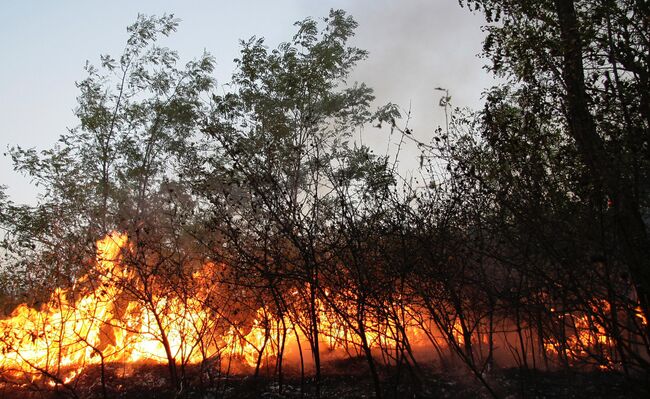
139,116
147,29
156,146
286,97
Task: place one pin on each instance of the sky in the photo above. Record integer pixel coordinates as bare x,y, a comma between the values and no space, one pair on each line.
414,45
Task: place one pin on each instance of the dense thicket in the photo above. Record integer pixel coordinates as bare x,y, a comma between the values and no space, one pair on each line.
527,230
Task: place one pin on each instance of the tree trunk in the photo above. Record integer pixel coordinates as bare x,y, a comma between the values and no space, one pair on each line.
313,309
634,240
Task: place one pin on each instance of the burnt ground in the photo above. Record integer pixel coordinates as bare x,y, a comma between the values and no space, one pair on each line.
341,380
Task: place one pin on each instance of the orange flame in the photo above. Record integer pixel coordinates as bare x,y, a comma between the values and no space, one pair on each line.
73,331
101,321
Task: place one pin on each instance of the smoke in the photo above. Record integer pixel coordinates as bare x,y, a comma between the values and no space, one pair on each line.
415,46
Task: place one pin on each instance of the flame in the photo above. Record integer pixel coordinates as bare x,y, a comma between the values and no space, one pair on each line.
638,312
586,338
77,328
105,318
100,326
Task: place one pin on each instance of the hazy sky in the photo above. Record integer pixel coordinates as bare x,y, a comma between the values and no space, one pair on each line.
414,45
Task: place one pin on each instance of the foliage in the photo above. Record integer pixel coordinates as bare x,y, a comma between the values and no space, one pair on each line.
525,216
137,117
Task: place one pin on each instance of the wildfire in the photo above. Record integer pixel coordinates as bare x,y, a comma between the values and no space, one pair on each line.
585,337
108,317
106,324
101,326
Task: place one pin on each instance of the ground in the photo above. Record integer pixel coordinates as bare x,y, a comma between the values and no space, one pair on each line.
346,380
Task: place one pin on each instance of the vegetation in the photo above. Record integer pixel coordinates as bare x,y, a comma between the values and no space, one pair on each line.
524,243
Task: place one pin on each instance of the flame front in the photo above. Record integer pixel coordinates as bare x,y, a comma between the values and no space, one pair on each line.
106,324
109,317
99,327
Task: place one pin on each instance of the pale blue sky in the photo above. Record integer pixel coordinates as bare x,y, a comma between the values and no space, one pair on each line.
415,45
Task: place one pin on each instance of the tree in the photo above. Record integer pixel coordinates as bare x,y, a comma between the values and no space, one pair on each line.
271,172
564,147
118,171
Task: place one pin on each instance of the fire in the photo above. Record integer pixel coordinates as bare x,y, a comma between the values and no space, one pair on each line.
638,312
103,324
108,317
585,337
100,326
